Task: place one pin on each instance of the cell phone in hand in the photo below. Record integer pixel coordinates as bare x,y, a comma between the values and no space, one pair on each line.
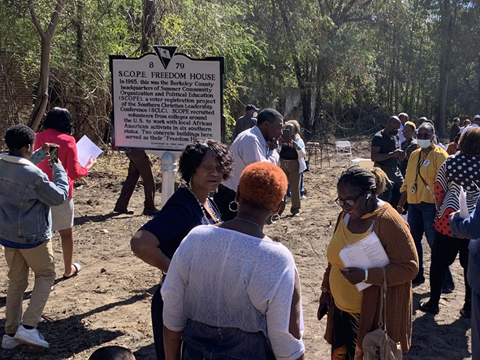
53,156
322,311
286,135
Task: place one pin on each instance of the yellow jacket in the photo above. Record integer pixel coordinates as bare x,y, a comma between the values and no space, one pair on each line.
427,165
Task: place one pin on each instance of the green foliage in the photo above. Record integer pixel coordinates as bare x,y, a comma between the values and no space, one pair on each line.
346,57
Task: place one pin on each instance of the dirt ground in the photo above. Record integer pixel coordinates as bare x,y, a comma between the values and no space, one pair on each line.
108,303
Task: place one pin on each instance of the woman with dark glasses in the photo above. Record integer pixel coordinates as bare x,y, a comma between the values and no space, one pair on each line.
418,190
351,313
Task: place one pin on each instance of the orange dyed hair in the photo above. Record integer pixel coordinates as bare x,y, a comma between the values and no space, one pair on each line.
263,185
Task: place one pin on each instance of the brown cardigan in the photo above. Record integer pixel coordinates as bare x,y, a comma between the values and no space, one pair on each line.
395,236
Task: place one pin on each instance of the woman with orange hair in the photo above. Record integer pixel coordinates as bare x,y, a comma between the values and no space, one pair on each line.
228,284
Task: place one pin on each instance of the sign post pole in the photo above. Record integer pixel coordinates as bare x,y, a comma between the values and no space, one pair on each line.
168,176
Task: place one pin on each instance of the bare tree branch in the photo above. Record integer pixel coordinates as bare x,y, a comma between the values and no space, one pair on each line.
31,7
55,18
344,12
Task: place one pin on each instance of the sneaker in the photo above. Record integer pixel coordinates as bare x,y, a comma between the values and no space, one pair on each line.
288,198
303,197
30,337
8,342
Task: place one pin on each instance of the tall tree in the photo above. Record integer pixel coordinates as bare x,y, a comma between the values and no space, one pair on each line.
448,12
46,37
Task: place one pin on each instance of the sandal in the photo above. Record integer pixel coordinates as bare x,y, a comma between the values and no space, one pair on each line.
77,267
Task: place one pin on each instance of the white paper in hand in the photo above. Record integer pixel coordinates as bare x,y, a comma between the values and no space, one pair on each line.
462,199
366,254
86,149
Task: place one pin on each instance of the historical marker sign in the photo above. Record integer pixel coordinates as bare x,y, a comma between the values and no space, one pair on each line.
164,101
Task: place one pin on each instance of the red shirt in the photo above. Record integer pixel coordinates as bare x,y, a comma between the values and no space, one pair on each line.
67,153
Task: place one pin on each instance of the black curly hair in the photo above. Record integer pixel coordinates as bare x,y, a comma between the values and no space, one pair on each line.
60,120
193,155
19,136
111,353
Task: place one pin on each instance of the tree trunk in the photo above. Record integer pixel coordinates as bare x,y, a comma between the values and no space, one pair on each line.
147,25
42,93
447,20
46,38
477,108
306,96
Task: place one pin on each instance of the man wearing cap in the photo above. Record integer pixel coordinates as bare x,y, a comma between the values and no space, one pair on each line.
247,121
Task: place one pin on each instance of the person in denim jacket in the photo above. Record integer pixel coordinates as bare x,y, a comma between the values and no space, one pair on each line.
469,228
26,195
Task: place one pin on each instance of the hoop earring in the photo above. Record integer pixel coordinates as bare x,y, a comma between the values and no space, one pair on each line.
274,218
235,207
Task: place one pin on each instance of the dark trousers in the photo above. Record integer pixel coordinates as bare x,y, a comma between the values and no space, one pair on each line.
157,324
344,334
139,166
392,191
223,197
475,325
444,252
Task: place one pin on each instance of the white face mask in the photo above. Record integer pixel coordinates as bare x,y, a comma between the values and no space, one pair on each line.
424,143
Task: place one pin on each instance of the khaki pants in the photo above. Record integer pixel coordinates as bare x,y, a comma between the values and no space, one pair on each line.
291,168
19,261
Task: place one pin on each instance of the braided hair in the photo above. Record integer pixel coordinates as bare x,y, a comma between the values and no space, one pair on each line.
367,179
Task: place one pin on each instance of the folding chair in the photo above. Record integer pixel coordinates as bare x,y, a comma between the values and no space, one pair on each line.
363,162
343,148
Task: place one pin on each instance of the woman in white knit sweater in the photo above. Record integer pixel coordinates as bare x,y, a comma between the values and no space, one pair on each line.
228,284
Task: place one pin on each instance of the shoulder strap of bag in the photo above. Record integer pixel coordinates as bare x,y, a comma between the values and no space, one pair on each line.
382,318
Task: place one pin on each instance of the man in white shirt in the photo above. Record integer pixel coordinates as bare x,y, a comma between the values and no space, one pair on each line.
256,144
476,123
403,119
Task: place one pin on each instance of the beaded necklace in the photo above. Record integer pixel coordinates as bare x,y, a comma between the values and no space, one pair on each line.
204,211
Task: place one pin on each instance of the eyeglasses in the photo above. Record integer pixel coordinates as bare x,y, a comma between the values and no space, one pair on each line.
349,202
424,136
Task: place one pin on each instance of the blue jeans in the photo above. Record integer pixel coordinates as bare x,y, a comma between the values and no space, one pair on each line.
421,218
204,342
